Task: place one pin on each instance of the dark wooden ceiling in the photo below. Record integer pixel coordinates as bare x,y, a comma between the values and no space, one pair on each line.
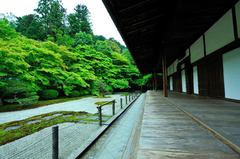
151,28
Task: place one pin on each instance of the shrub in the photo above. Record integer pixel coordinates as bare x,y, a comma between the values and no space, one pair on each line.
100,88
75,93
49,94
20,92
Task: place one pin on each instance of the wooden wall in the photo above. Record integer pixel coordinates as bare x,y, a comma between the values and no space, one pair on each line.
207,54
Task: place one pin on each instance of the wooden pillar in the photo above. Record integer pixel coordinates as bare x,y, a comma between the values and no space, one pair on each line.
165,92
153,83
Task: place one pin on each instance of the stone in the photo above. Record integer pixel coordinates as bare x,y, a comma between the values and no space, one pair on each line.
57,115
34,121
12,128
68,115
81,116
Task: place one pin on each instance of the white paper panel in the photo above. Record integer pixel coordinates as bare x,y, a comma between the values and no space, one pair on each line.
168,71
220,34
237,8
195,80
171,83
197,50
183,81
182,66
231,73
175,66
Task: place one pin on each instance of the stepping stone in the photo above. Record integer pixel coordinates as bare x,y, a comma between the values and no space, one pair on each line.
12,128
34,121
68,115
47,117
93,117
81,116
105,118
57,115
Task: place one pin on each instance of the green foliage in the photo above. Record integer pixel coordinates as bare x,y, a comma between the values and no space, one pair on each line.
113,45
82,38
6,31
100,88
30,26
119,83
69,60
20,92
123,48
147,79
79,21
61,39
49,94
28,129
10,17
127,54
52,16
103,102
119,59
75,93
98,37
14,107
103,47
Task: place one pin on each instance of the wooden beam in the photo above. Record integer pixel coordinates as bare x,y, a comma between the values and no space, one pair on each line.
235,23
165,92
133,6
143,29
143,22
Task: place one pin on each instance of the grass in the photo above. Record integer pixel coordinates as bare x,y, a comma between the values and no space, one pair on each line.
101,97
126,94
15,107
27,129
103,102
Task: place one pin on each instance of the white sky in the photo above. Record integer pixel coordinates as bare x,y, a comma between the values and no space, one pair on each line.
101,21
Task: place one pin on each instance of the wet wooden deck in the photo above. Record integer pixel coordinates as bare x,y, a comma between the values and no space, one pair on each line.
167,132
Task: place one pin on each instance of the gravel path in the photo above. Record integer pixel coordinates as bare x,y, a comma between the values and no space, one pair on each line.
38,145
85,104
71,135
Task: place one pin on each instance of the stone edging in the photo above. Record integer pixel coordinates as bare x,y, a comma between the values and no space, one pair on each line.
80,151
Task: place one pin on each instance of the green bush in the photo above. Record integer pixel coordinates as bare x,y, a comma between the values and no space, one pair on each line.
49,94
75,93
21,92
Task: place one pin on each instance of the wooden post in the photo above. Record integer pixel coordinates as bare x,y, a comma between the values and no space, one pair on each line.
153,81
55,142
126,99
113,107
100,116
155,77
165,92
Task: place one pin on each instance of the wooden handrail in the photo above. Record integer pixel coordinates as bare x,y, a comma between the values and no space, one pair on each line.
105,103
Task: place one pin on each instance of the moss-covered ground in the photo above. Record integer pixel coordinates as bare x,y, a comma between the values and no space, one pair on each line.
44,120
